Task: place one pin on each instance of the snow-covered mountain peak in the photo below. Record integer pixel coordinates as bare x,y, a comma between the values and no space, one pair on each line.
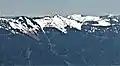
31,26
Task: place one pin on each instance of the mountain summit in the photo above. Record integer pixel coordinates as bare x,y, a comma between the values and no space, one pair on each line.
32,25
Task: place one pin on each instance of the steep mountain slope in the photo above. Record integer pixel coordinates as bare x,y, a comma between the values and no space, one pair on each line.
32,25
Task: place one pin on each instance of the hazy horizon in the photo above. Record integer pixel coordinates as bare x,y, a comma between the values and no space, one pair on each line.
63,7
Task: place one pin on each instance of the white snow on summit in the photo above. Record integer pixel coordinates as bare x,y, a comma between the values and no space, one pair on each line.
101,22
31,26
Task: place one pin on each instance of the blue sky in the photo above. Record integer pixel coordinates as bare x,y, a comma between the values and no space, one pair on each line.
43,7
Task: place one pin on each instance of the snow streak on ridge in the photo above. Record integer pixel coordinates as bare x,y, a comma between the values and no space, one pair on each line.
31,26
